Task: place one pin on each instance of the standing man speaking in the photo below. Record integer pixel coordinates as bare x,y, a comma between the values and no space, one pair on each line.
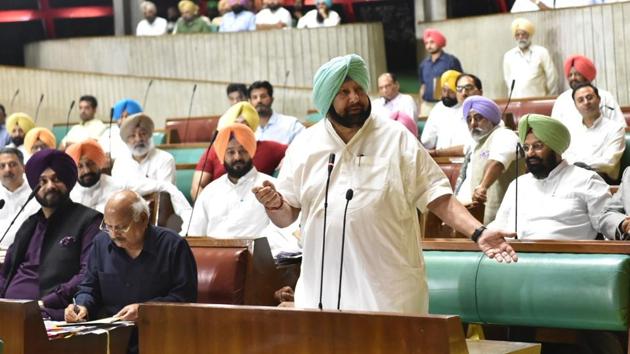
391,175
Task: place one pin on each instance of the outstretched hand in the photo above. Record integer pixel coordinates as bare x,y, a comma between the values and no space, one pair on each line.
493,244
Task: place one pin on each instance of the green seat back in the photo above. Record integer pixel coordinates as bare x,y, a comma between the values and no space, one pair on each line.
183,181
60,131
159,138
186,154
420,123
625,158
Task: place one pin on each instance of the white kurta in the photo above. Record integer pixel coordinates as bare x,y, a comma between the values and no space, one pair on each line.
115,144
599,146
95,197
528,5
564,206
13,202
445,128
533,72
565,111
91,129
400,103
158,165
268,17
391,175
157,28
309,20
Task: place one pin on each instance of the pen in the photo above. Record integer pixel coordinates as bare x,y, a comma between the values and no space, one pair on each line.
74,303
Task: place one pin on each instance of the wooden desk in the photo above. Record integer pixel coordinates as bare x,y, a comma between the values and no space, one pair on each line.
22,331
501,347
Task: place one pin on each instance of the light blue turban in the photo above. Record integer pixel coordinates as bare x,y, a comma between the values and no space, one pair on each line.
328,2
330,76
127,105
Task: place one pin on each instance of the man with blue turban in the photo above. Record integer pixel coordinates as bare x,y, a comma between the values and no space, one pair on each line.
556,201
110,140
387,175
488,168
48,259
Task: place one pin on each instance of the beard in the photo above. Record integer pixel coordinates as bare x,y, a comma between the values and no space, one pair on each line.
541,168
479,134
140,149
575,83
523,43
264,110
237,9
17,140
349,119
52,199
449,101
89,179
238,168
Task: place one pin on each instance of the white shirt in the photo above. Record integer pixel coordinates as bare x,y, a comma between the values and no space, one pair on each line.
564,206
528,5
157,28
268,17
13,202
533,72
118,146
309,20
565,111
91,129
502,149
400,103
95,197
391,175
279,128
445,128
599,146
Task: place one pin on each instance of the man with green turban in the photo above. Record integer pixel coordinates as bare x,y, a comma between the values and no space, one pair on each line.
556,201
383,174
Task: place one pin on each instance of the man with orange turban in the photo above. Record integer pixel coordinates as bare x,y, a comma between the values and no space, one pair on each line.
94,188
38,139
528,66
580,70
432,67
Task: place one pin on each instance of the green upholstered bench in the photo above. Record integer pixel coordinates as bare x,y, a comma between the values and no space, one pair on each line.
183,179
185,153
557,290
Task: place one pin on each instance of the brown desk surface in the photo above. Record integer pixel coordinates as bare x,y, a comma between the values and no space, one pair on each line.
499,347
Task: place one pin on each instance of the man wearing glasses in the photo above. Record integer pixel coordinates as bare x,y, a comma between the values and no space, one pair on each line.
556,201
48,259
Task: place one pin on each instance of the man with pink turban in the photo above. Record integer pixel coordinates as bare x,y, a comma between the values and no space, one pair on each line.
580,70
489,165
239,19
94,188
432,67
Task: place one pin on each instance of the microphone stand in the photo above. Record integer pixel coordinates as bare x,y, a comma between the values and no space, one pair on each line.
192,97
331,164
39,104
349,195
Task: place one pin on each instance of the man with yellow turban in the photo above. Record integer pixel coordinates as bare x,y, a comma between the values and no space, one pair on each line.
528,67
267,160
39,139
94,188
385,175
190,21
432,67
556,200
18,124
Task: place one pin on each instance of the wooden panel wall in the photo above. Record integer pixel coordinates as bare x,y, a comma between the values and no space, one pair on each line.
280,56
167,97
599,32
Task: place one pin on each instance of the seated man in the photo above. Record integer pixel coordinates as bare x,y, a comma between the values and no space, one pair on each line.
133,262
446,133
580,70
239,18
110,140
321,16
94,188
14,191
391,100
18,124
48,258
488,168
267,160
556,200
273,16
90,126
191,21
273,125
614,223
598,142
39,139
236,92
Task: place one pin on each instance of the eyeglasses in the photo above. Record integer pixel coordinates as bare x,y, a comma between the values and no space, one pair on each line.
114,229
535,147
468,87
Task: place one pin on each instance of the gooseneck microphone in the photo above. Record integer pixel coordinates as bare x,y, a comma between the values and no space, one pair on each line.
190,106
2,203
349,195
507,104
519,153
331,164
68,117
146,94
17,92
30,196
39,104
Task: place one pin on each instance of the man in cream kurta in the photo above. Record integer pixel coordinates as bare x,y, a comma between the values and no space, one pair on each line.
383,269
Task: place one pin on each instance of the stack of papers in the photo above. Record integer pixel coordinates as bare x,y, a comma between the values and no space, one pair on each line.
61,329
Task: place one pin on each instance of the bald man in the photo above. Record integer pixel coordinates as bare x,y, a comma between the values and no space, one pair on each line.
391,100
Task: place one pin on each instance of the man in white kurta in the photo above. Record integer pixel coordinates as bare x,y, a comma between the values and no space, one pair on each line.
578,70
273,16
90,127
528,65
383,269
14,191
151,24
556,200
391,100
110,140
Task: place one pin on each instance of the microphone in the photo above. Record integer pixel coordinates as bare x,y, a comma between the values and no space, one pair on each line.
41,98
192,98
331,164
2,202
284,88
519,153
68,117
17,92
349,195
30,196
146,94
509,98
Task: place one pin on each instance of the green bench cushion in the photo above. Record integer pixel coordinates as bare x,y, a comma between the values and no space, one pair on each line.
186,155
183,181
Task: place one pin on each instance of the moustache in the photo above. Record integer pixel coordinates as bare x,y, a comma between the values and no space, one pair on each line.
531,160
88,175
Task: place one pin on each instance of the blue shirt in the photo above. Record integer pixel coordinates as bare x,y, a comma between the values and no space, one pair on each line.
165,271
244,21
429,70
280,128
5,138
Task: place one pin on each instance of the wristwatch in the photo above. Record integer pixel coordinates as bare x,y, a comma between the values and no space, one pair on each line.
475,236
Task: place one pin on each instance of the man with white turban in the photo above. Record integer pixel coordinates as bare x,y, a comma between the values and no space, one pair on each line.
529,66
556,201
390,176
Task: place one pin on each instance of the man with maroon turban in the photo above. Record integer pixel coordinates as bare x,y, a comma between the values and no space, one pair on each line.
580,70
48,258
432,68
